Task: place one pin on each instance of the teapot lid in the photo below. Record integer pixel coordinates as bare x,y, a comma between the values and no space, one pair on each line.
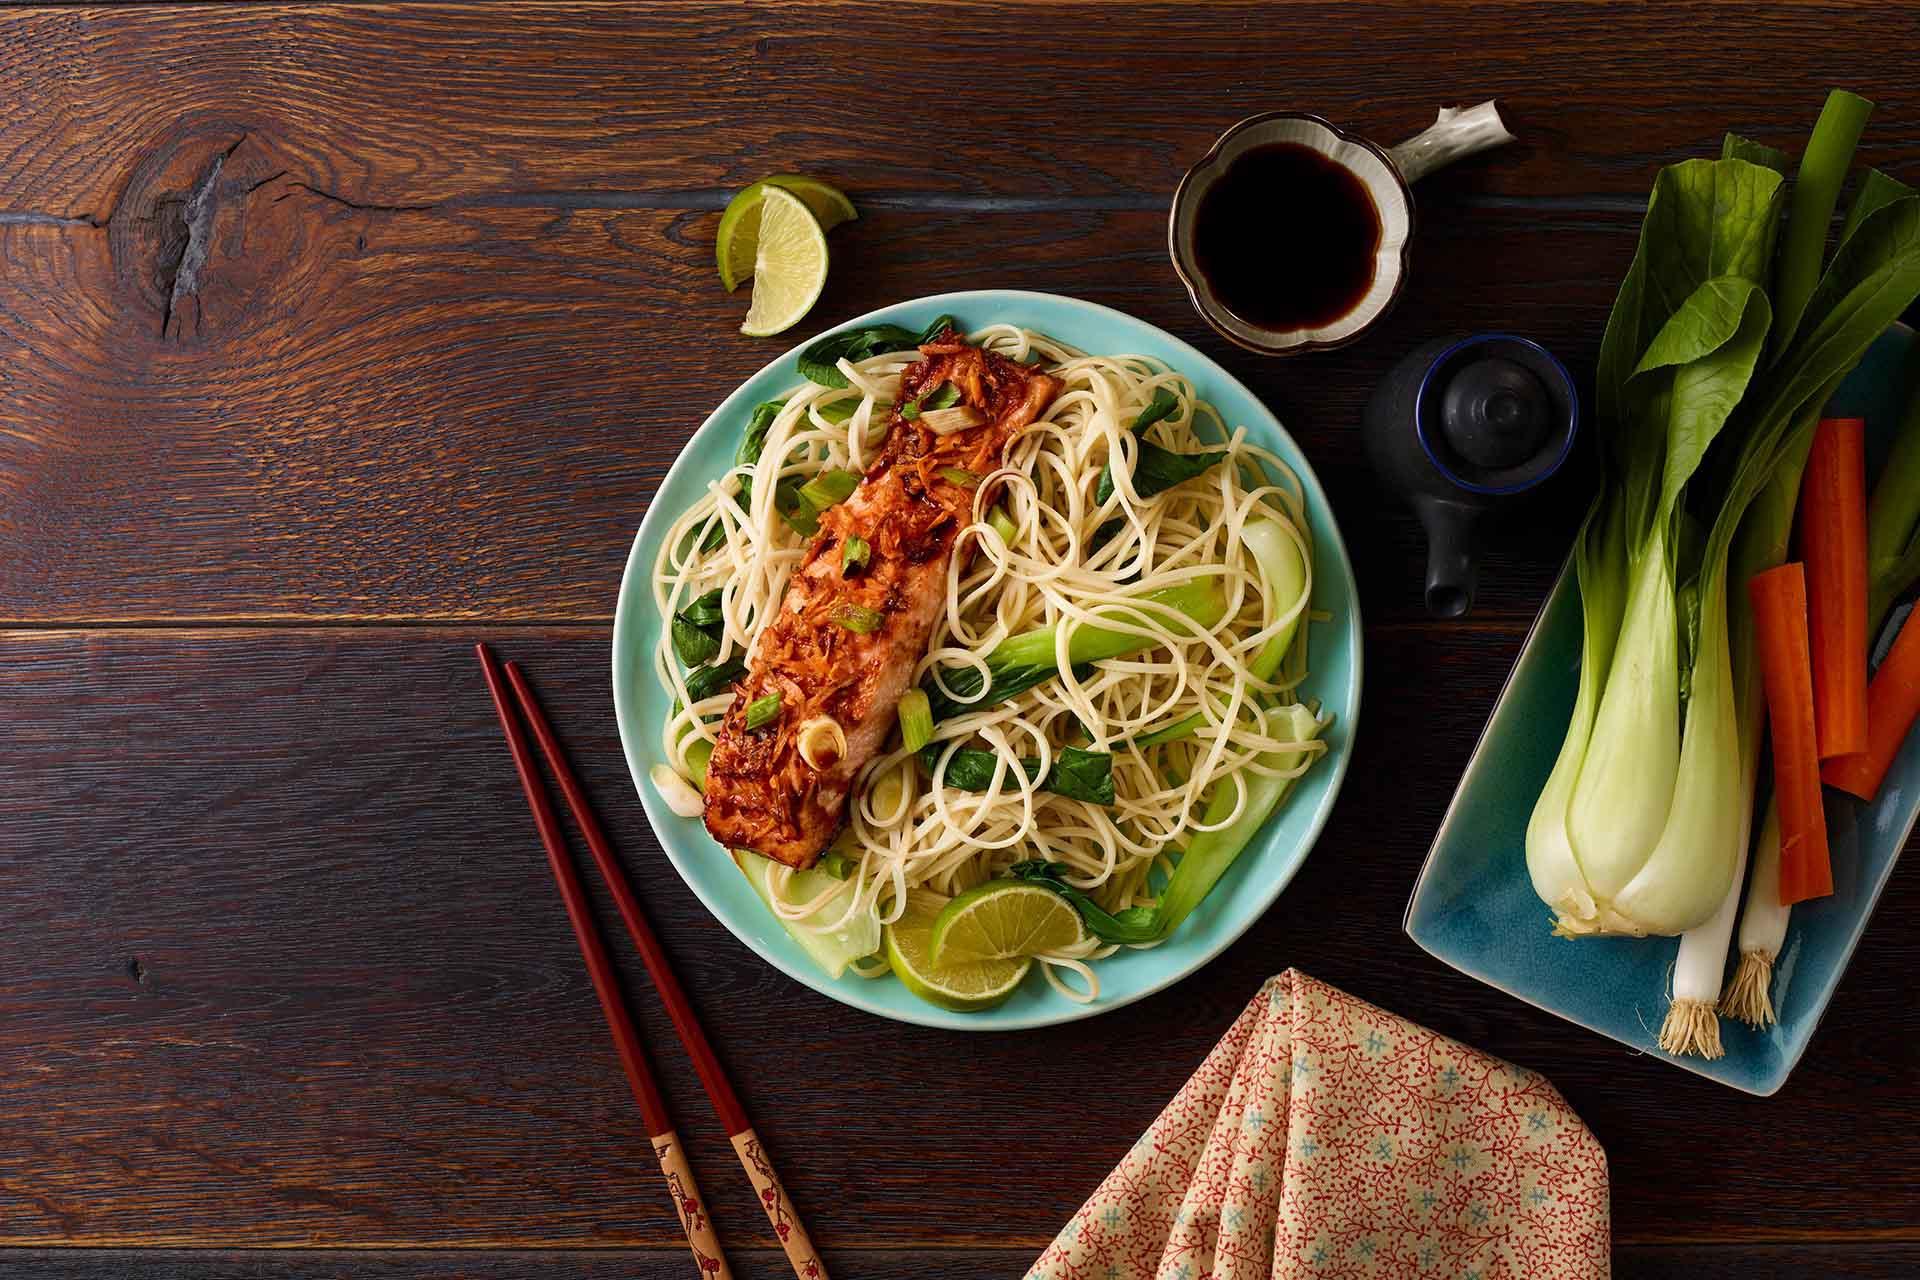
1496,413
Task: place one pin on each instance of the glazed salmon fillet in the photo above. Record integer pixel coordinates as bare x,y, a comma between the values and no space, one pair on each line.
844,645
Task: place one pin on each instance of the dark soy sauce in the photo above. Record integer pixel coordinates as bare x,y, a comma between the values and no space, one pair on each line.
1286,238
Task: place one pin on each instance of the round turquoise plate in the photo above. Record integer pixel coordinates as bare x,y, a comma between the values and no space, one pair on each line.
1256,878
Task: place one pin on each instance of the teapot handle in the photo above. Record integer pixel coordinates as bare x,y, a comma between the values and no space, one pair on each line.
1459,132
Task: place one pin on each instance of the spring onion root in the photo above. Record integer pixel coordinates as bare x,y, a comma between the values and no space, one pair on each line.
1692,1027
1763,931
1749,997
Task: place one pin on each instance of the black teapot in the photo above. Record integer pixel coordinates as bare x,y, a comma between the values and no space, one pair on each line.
1461,427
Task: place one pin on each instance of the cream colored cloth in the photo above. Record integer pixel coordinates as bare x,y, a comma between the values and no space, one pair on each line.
1325,1138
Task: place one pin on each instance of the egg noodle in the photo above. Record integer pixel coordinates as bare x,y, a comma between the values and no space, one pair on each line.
904,831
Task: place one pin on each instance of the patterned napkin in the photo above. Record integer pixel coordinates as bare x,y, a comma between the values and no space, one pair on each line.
1325,1138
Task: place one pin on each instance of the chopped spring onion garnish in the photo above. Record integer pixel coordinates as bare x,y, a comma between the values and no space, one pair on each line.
763,711
916,719
945,397
829,488
837,864
961,476
958,418
853,555
857,618
1001,523
822,742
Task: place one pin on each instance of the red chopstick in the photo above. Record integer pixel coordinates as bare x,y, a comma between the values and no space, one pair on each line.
697,1223
779,1207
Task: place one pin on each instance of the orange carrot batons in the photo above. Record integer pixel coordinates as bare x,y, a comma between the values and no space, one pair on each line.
1893,703
1833,540
1780,624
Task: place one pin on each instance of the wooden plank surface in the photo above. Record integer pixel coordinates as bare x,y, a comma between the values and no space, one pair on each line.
295,977
410,363
463,415
694,99
317,320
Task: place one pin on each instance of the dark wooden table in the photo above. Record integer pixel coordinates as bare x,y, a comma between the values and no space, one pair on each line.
334,338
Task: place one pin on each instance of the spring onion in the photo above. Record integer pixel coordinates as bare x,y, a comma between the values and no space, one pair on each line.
1763,932
1893,521
821,742
857,618
854,555
943,421
916,719
763,711
961,476
1001,523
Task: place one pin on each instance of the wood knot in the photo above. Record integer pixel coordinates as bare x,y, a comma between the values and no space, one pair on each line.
204,235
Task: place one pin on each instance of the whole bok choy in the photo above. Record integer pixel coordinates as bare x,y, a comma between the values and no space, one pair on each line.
1643,823
1627,835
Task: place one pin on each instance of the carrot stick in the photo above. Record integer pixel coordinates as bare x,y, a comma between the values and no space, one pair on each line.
1893,703
1833,539
1780,640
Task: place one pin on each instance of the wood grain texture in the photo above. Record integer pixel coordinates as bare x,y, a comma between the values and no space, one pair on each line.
292,974
368,314
690,100
375,313
462,415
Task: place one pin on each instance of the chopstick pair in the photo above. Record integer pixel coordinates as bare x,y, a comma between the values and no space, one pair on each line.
693,1215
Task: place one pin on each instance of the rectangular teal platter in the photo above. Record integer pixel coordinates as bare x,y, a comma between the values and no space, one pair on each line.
1474,907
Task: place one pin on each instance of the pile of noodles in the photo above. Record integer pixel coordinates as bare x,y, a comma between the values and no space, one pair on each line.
903,831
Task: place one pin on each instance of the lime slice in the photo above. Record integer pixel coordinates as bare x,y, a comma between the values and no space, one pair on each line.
969,986
789,267
1003,920
738,239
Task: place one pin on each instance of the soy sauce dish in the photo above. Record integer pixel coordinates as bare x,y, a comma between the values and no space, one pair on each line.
1293,235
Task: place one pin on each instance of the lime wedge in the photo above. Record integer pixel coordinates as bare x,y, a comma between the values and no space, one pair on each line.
789,266
738,239
968,986
1004,920
824,200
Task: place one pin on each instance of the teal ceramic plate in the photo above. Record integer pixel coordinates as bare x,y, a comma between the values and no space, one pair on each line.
1235,903
1475,908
